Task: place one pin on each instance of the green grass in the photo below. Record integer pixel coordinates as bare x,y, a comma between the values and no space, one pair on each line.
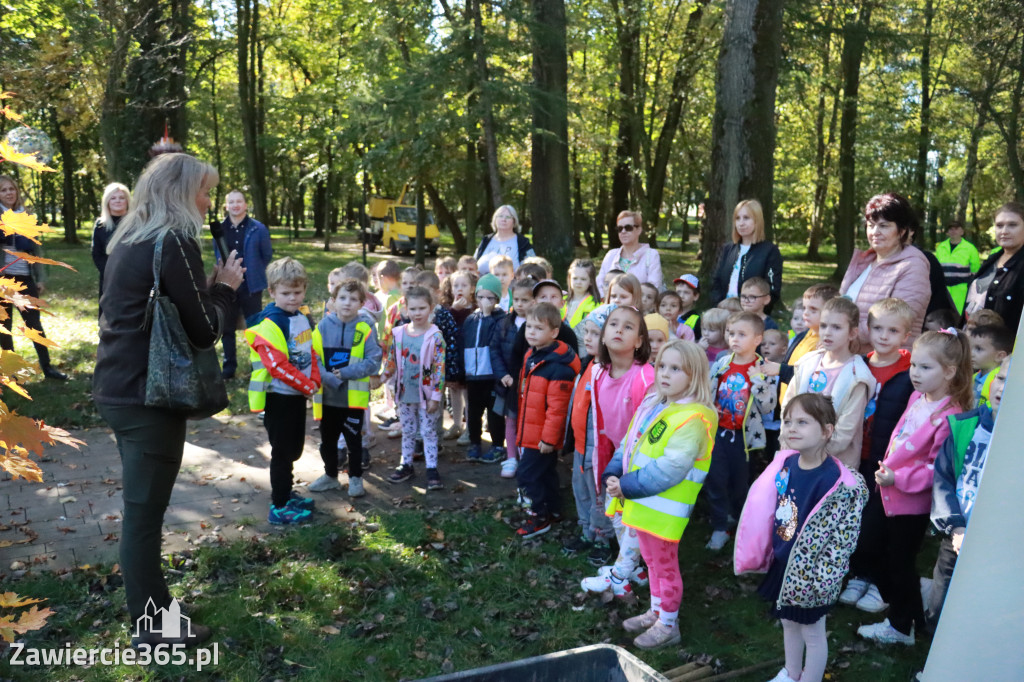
418,593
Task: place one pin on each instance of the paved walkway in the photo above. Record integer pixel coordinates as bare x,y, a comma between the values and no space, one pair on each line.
73,518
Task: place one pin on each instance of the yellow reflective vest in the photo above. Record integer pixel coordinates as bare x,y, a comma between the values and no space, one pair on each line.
259,380
586,306
667,514
358,389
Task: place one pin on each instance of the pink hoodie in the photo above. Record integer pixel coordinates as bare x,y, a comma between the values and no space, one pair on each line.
913,463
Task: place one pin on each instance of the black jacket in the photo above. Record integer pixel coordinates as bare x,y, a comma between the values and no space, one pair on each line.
123,353
941,299
1006,293
763,260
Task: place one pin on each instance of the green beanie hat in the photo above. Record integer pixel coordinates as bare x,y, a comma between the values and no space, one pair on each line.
490,283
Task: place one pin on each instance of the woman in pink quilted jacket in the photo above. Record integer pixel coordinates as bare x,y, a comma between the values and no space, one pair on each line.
892,267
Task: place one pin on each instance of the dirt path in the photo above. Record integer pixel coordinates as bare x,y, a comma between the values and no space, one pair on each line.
73,518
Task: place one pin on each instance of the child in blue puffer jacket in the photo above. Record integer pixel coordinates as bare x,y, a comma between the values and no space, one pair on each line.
477,331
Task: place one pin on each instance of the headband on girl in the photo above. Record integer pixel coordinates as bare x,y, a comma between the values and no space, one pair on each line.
952,331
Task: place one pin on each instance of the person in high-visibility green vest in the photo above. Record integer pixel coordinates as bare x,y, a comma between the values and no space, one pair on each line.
655,476
960,260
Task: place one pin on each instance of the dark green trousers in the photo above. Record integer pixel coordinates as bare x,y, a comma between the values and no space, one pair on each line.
151,443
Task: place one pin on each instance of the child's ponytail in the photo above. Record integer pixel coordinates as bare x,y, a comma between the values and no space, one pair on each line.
953,349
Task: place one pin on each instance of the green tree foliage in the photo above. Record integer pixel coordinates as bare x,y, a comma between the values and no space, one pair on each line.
344,98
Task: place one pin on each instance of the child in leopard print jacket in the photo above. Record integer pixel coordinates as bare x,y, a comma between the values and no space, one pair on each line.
799,526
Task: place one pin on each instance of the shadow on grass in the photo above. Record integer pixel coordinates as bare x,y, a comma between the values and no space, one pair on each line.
410,594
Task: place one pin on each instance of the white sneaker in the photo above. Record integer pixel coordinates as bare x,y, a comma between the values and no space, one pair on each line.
855,589
605,581
719,539
509,467
884,633
639,576
783,676
324,483
355,486
872,601
464,438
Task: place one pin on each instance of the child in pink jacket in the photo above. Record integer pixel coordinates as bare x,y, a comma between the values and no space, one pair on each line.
799,526
897,514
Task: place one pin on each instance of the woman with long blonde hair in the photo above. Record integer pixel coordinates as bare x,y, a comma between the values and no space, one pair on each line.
113,208
168,210
749,255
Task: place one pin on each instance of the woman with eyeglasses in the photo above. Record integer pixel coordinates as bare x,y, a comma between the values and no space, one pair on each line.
892,267
635,256
750,255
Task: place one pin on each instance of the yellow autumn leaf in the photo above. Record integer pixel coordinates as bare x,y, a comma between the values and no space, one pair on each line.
13,385
15,367
11,114
36,337
12,284
29,258
33,619
8,153
11,600
18,465
24,223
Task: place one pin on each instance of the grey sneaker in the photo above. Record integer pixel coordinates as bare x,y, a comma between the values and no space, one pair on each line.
323,484
355,486
719,539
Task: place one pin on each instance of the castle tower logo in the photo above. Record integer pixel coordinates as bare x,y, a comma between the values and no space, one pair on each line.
168,623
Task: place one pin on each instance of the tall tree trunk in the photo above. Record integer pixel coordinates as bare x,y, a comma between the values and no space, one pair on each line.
219,191
549,181
112,106
486,106
248,12
822,145
470,201
1011,131
657,172
971,165
444,218
924,130
743,134
627,26
154,82
68,168
855,35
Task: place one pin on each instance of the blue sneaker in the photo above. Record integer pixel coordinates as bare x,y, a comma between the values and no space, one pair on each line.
287,515
297,501
474,454
494,455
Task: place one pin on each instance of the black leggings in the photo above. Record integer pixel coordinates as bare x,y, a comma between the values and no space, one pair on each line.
886,555
478,401
31,318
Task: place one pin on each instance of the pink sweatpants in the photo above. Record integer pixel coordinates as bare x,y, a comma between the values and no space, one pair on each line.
662,559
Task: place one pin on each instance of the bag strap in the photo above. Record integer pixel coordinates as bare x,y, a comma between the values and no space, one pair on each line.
154,293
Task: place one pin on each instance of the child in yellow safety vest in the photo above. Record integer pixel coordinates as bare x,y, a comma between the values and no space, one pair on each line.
345,343
665,456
